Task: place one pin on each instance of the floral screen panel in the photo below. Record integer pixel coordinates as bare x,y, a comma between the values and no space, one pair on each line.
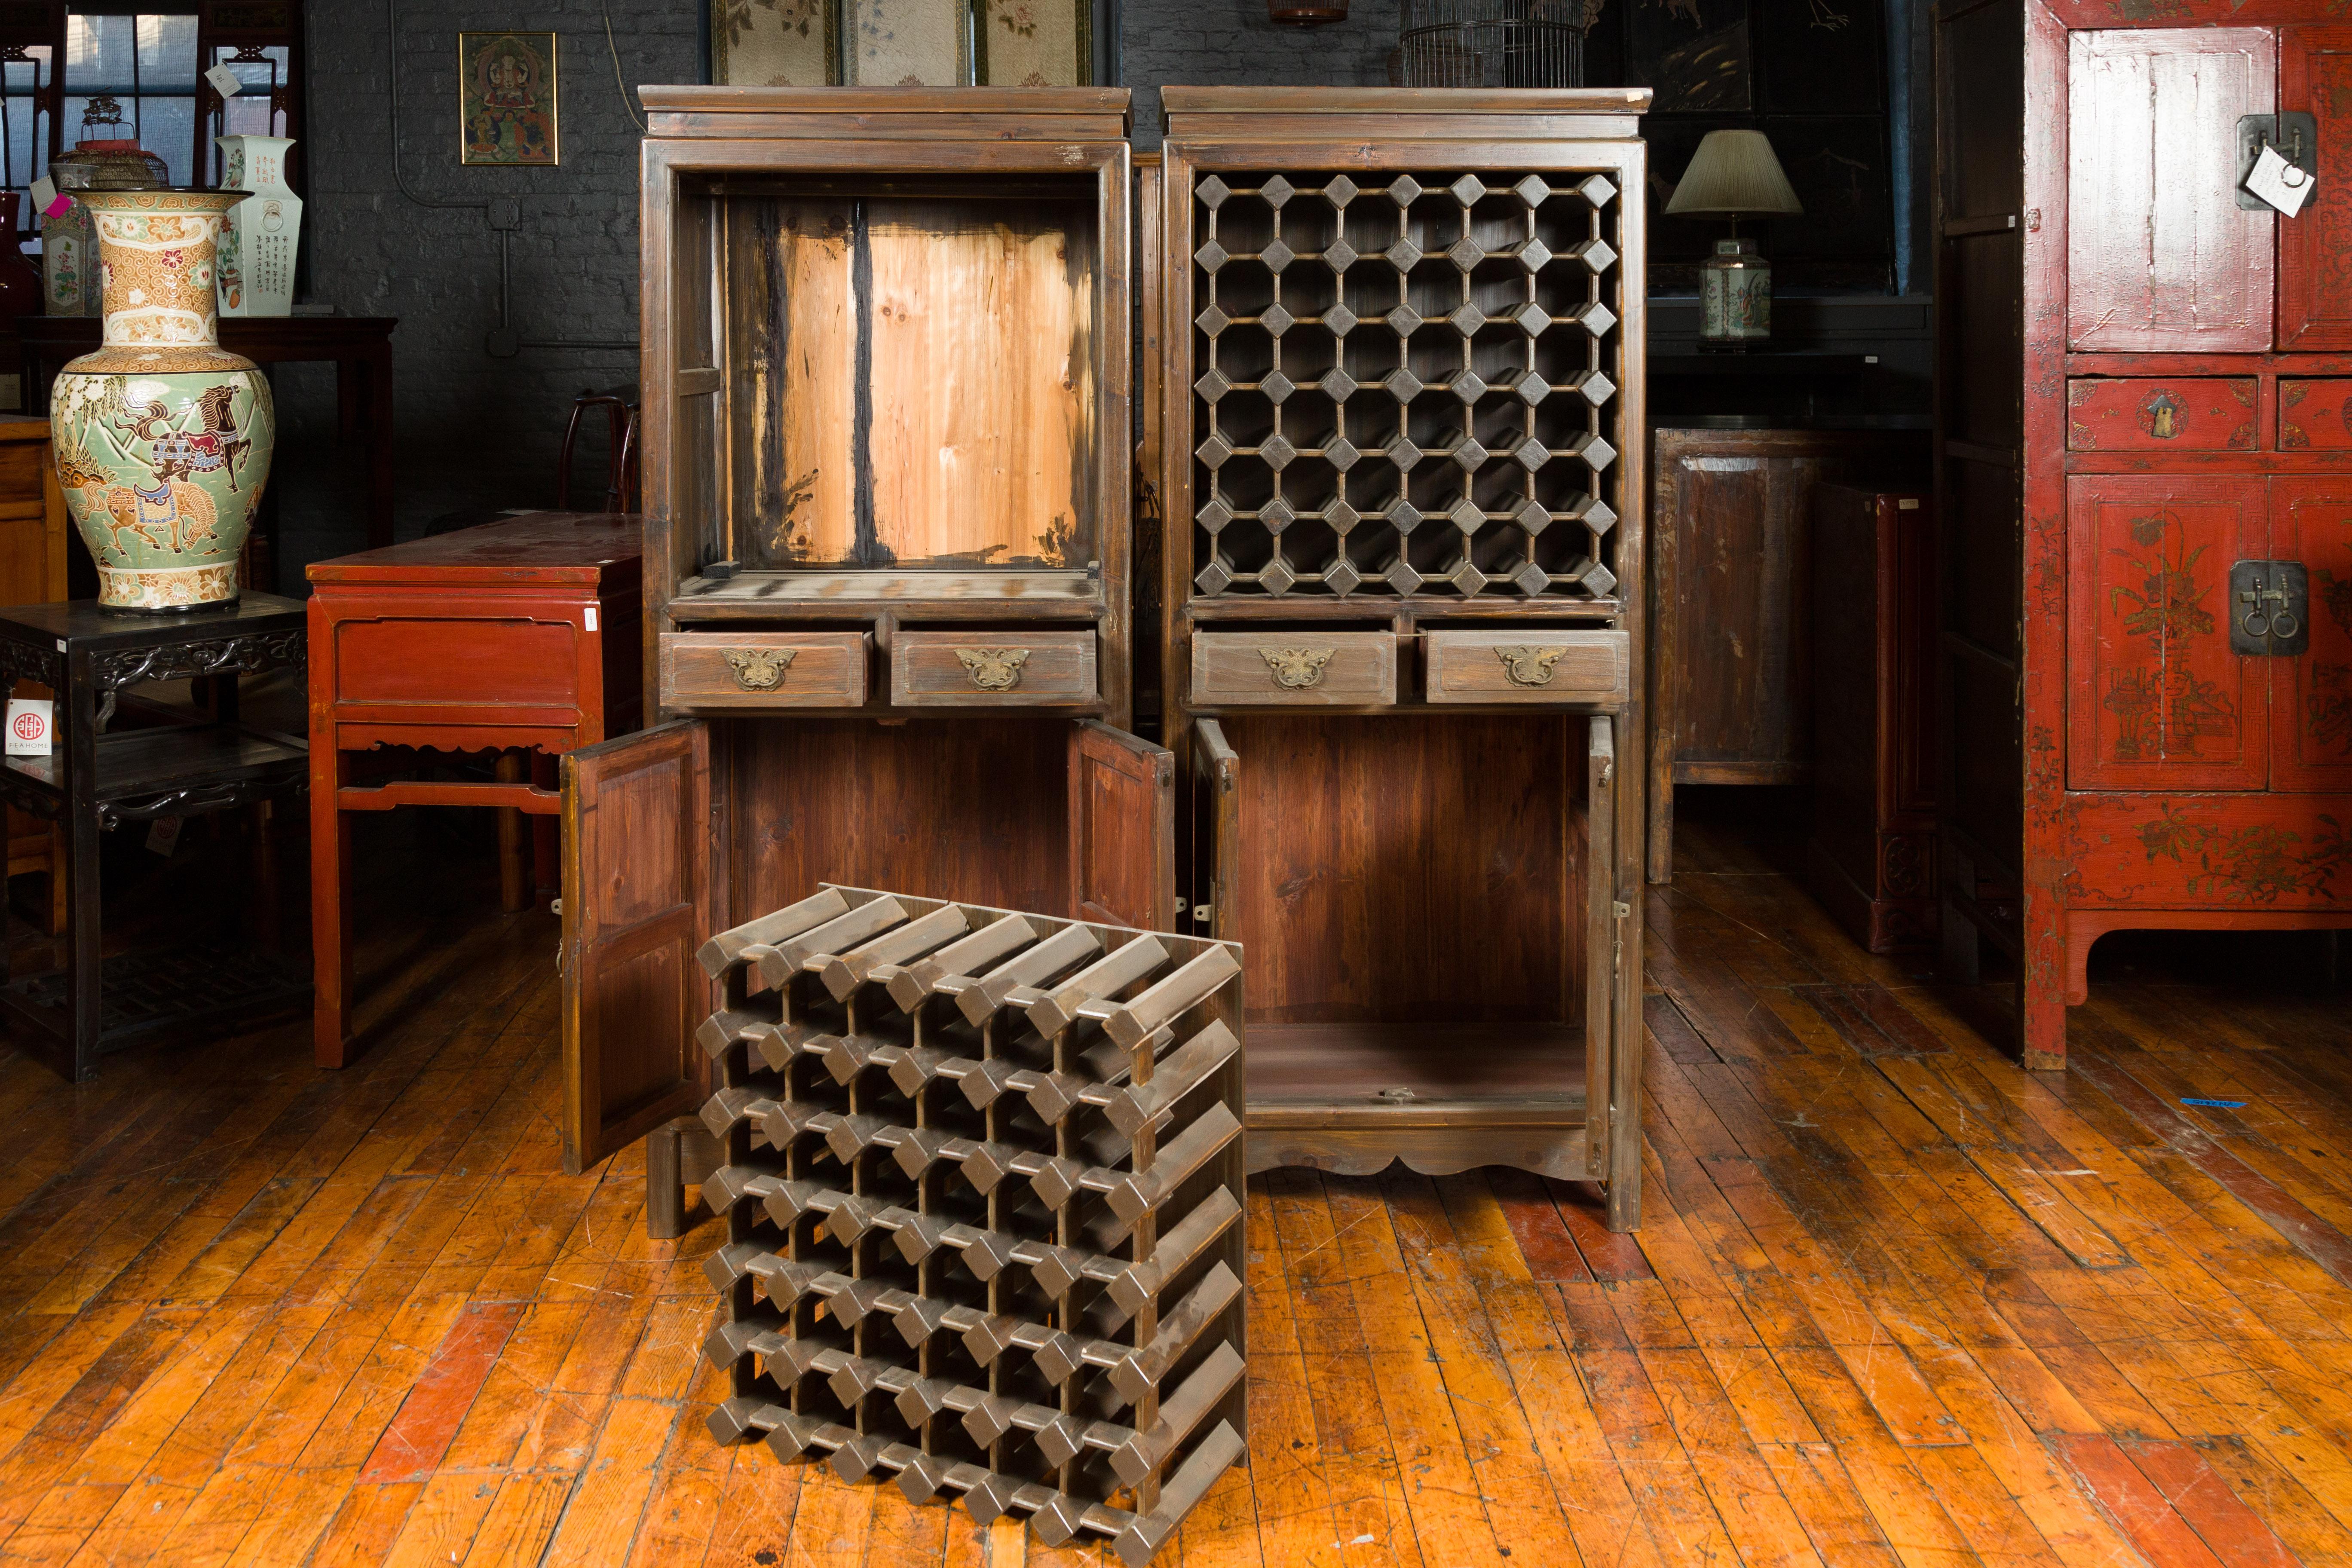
902,42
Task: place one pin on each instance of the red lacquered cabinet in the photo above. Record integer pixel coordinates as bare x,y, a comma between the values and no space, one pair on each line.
2145,470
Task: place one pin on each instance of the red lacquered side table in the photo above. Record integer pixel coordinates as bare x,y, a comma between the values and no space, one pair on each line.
519,638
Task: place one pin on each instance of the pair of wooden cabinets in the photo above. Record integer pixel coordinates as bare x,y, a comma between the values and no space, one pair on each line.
916,363
2146,477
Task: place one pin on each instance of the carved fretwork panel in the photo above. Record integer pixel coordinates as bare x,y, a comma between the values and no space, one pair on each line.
1404,384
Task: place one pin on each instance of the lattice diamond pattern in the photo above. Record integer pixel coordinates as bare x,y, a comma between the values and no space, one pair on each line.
1453,355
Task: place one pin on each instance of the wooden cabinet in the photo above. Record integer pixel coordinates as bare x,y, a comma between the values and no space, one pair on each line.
1731,585
1390,407
2144,472
34,539
1871,859
1401,453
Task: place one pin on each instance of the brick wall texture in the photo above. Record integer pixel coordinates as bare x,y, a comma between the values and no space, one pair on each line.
476,432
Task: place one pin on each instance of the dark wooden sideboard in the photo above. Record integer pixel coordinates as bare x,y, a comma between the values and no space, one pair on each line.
1731,592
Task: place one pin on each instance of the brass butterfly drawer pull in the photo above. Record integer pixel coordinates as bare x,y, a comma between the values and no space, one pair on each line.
993,668
1528,664
956,669
760,668
1279,668
1299,668
757,672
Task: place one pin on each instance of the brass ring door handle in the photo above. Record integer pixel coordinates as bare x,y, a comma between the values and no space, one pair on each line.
1529,665
993,668
1298,668
760,669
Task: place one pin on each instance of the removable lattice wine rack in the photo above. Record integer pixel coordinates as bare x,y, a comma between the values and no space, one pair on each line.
1402,383
983,1195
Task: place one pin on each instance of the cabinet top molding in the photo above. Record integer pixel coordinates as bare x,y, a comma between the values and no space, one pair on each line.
1592,112
1052,111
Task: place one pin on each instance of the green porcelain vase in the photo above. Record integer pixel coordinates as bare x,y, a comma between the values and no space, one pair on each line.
163,440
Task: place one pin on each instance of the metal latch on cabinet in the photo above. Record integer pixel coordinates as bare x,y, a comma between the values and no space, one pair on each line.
2294,135
2269,608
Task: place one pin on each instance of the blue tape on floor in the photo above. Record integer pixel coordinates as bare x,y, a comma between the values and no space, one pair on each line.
2221,1104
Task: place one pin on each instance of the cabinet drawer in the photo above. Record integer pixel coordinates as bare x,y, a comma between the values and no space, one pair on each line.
2156,414
1327,669
1587,667
764,670
2314,415
1011,668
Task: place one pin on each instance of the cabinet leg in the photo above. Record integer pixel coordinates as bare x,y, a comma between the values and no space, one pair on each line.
1662,834
514,846
330,910
82,945
1622,1198
1963,952
665,1183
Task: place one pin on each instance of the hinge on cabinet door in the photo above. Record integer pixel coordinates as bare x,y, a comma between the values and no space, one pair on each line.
2269,608
2295,134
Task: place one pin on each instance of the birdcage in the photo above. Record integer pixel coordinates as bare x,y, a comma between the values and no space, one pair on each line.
1495,43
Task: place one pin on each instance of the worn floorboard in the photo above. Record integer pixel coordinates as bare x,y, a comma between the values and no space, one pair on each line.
1895,1302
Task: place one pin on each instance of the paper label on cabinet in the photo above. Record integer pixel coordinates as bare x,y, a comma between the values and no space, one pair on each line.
29,726
224,82
2280,182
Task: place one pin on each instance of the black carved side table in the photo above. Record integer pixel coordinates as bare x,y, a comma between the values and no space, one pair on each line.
96,780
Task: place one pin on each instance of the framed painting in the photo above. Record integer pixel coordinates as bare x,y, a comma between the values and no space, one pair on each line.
902,42
506,99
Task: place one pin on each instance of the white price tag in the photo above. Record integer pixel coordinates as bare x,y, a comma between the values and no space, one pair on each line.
2280,182
29,726
224,82
46,199
164,836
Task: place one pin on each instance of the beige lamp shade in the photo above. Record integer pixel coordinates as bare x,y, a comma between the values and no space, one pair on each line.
1734,171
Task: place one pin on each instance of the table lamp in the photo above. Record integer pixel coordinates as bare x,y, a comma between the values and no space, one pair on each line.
1734,172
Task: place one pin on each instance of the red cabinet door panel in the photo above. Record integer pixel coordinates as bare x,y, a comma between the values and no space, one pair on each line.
2154,697
2311,693
2316,246
2159,255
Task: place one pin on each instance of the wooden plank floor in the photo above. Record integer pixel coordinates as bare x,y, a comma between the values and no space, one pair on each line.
1895,1302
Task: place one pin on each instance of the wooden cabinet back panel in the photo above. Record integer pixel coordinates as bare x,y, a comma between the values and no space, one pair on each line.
1407,868
2159,254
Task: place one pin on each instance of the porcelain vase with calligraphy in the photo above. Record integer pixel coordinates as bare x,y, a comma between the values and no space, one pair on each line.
162,441
259,235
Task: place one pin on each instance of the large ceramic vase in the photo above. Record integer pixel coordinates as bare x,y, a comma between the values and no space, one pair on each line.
261,234
162,441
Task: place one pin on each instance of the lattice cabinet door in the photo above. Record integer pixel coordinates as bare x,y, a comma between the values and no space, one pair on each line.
983,1206
1405,379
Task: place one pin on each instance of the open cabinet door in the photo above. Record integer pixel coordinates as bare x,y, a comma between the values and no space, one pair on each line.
636,833
1216,833
1122,828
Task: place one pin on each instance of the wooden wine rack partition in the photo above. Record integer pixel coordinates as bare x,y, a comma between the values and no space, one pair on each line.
983,1206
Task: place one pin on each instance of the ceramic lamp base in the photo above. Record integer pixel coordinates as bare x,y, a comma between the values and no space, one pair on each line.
1735,297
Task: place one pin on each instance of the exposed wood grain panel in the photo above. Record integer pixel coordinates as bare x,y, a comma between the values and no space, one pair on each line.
2160,255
